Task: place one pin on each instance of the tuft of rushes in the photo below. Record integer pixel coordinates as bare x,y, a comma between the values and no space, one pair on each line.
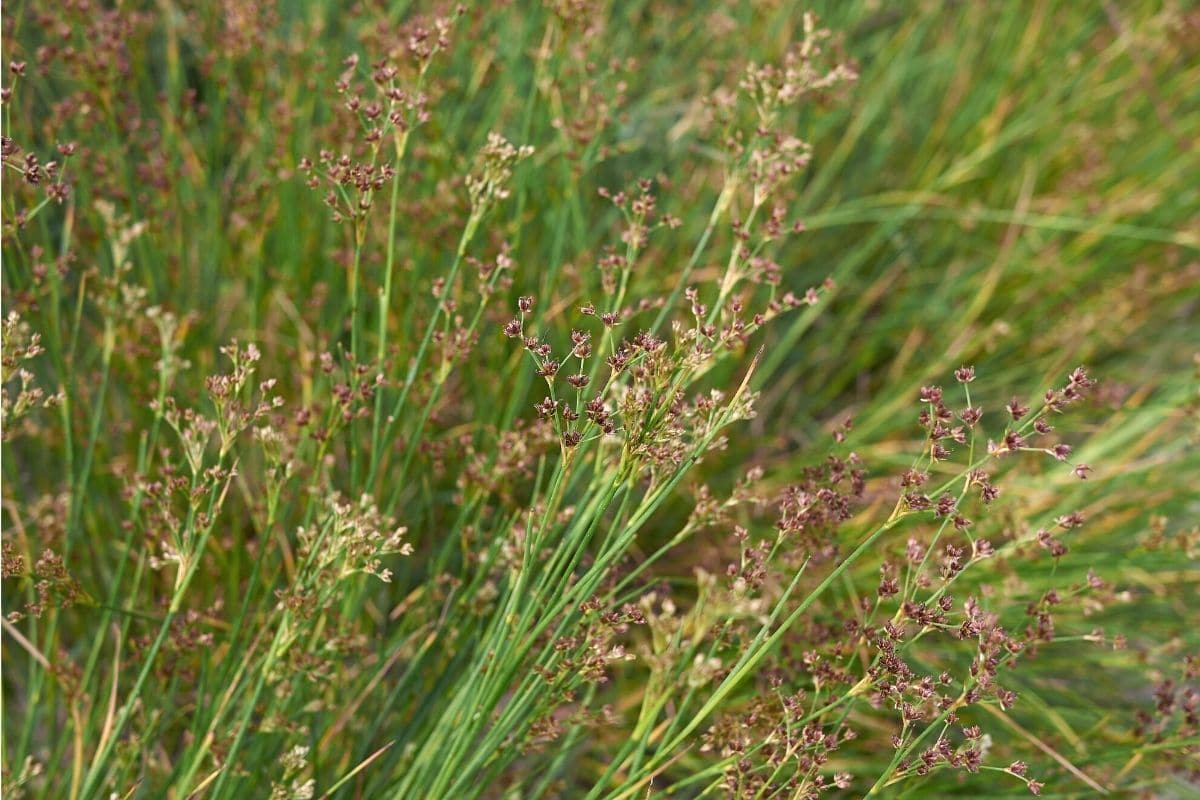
600,400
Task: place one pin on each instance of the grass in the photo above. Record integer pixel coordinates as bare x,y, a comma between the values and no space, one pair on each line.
282,517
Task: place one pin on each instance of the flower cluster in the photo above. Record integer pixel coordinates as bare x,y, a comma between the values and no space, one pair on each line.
488,182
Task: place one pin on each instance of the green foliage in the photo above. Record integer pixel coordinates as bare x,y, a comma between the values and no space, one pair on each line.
568,400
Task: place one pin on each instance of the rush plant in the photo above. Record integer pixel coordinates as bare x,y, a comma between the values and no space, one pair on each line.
599,400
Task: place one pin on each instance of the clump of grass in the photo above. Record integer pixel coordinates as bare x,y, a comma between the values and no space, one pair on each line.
550,401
